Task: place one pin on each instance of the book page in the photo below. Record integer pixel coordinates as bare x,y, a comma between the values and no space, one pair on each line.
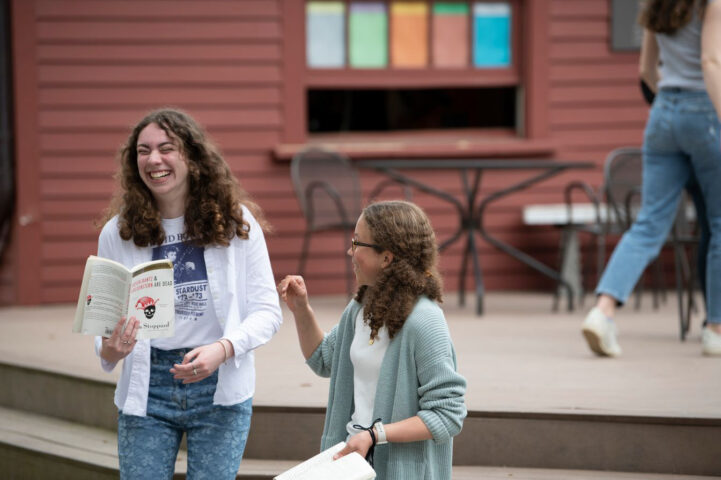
152,299
103,297
323,467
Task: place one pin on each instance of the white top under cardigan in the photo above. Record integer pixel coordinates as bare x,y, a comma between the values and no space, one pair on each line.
367,359
246,305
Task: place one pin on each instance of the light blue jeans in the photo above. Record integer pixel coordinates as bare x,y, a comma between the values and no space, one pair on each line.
682,136
216,435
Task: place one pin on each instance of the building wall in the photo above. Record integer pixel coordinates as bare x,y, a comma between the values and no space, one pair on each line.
87,70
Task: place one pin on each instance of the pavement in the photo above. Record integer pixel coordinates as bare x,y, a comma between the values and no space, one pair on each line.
518,357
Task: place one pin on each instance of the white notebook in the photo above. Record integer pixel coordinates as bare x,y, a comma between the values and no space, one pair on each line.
323,467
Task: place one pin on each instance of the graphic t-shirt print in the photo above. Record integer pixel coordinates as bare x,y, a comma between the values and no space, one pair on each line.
189,275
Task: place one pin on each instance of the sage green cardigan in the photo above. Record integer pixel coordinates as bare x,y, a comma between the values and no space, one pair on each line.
418,377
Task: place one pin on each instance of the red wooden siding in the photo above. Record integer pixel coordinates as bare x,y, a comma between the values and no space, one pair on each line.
92,68
98,66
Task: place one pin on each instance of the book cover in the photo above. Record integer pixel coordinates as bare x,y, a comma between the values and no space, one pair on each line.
109,290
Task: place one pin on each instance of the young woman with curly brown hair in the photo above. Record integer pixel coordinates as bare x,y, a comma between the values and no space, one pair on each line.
394,387
179,200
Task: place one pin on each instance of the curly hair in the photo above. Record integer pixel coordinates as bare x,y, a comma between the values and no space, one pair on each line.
667,16
213,213
403,229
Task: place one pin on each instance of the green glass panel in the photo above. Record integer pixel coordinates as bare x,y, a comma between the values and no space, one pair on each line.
368,35
450,8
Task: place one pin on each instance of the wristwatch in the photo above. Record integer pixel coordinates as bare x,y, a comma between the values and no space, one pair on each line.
381,431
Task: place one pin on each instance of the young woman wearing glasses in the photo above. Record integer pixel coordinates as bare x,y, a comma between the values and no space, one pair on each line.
395,394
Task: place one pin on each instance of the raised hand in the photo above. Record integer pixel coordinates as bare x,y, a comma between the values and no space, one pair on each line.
293,292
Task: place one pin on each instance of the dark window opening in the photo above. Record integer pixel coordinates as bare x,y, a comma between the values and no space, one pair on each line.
7,187
364,110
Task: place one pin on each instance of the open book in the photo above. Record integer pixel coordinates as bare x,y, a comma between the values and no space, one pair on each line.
323,467
110,291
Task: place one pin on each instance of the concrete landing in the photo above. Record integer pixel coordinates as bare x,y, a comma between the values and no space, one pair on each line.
519,356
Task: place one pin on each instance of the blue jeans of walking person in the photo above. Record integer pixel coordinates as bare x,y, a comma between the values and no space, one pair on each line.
216,435
681,137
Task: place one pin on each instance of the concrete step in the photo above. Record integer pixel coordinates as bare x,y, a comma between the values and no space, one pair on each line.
631,443
32,445
36,446
276,432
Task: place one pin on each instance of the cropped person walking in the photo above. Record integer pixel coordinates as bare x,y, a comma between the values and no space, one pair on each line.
681,60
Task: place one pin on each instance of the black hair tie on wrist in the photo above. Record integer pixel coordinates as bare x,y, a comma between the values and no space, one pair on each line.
369,455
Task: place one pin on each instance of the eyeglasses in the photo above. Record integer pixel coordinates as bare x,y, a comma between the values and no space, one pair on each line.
355,243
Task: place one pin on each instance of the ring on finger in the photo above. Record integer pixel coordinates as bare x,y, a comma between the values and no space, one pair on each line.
195,371
126,342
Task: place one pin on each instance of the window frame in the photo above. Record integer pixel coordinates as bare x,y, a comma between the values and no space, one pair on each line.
528,71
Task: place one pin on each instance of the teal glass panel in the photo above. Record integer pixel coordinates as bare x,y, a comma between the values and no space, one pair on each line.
492,35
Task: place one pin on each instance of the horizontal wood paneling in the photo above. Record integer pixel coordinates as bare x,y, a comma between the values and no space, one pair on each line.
73,120
147,97
264,53
585,116
563,29
107,144
595,100
596,94
575,9
168,75
565,74
156,30
588,52
86,166
102,64
160,9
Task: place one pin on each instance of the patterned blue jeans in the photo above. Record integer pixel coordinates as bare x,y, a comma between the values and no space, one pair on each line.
216,435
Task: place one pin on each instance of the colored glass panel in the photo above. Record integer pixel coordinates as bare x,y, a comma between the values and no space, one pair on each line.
409,34
368,35
450,35
492,35
325,34
450,8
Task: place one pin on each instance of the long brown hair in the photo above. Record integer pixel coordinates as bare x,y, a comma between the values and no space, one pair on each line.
213,213
667,16
403,229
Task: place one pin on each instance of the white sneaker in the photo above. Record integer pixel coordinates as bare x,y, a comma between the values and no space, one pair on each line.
600,333
711,342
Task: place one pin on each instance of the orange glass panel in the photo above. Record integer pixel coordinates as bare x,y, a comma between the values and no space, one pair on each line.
409,34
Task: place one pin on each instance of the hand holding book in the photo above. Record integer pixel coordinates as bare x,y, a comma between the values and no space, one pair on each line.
110,290
324,467
121,341
360,443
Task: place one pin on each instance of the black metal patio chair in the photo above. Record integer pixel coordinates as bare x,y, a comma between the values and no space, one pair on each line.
329,194
620,195
615,205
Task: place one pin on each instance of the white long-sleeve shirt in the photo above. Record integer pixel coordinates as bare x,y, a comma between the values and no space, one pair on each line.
246,306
